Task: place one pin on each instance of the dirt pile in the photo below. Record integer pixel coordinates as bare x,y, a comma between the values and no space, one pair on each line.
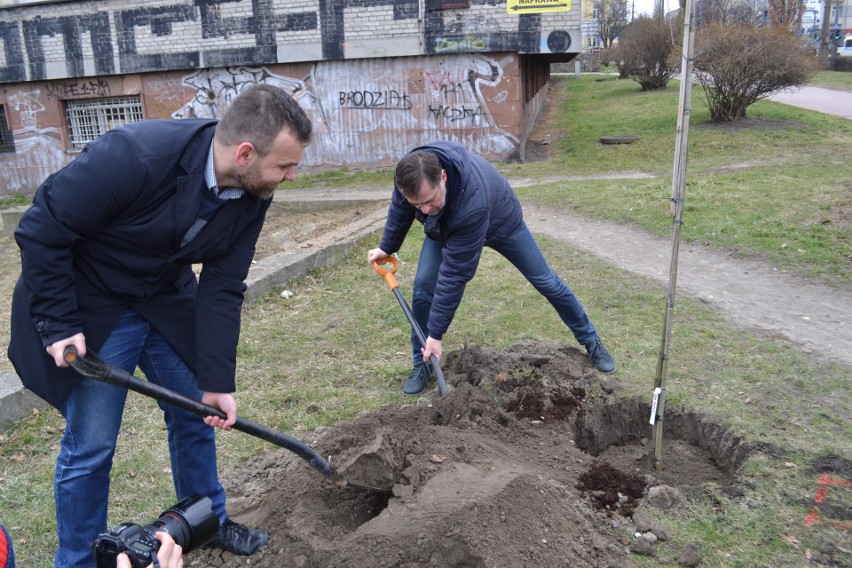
529,460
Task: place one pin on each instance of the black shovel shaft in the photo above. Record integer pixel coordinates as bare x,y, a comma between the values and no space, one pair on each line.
433,360
100,370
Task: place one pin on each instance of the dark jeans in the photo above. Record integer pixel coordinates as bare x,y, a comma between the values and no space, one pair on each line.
93,418
521,250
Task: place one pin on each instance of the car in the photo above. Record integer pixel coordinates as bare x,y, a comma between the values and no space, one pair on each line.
845,48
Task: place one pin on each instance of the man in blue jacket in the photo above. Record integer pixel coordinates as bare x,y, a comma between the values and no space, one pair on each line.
465,204
107,250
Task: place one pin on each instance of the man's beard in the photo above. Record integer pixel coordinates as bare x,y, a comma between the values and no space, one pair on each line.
250,182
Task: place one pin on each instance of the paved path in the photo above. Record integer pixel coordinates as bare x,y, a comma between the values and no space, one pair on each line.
748,292
828,101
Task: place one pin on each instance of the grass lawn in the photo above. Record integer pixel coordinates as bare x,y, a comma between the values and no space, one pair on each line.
337,348
837,80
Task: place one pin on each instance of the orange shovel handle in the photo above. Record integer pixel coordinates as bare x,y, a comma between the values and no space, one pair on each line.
388,275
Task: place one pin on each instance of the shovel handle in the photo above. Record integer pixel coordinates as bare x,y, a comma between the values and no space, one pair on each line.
95,368
388,275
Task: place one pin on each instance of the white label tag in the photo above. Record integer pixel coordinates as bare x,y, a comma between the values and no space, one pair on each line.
654,403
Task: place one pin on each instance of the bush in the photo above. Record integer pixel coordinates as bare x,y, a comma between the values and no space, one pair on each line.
739,64
642,53
590,62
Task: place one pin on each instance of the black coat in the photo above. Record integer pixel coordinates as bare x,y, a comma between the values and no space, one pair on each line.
481,210
104,234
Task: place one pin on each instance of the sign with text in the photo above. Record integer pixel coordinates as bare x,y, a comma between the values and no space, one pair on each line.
537,6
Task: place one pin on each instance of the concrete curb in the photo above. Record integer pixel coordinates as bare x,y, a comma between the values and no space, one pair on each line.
279,269
17,402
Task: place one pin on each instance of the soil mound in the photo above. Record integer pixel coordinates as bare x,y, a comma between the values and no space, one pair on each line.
529,460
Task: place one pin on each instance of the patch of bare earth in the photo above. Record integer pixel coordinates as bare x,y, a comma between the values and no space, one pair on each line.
531,459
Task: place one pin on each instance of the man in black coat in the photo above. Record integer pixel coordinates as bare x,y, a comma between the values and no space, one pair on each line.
465,204
107,250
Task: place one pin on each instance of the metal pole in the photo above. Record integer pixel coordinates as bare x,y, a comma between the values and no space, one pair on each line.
678,193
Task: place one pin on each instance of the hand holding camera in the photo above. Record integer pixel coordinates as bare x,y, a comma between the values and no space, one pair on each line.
190,523
169,555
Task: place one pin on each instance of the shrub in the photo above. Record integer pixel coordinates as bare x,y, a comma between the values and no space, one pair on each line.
642,53
737,65
590,62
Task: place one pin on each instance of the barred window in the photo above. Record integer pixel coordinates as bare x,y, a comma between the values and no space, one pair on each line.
88,119
7,143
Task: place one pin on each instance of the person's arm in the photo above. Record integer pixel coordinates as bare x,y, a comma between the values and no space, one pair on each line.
399,220
461,254
219,301
72,205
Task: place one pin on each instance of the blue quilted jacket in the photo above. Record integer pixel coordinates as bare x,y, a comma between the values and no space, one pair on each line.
481,210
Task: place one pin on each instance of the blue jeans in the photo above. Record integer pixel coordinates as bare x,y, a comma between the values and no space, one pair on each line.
93,418
521,250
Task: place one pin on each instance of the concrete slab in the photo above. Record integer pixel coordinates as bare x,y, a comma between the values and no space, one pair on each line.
9,219
15,401
325,198
279,269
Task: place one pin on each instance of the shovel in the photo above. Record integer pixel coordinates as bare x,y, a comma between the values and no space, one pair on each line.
95,368
388,275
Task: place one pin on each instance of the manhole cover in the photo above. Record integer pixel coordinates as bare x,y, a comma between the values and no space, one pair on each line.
619,139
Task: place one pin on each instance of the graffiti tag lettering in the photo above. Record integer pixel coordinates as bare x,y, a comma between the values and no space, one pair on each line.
388,99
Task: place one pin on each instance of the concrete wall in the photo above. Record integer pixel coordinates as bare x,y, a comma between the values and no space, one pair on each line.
377,77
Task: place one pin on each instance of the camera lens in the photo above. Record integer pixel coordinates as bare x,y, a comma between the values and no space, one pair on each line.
191,522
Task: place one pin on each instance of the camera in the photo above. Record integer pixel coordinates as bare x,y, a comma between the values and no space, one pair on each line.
191,522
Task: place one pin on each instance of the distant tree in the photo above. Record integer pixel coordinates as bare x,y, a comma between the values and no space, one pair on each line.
724,12
612,16
643,51
738,64
786,14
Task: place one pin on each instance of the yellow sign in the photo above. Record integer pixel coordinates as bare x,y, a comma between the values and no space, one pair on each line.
537,6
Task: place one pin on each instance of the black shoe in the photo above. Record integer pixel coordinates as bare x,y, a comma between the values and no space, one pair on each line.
417,380
238,539
600,357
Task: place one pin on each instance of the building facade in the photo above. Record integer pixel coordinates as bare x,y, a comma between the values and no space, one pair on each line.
377,77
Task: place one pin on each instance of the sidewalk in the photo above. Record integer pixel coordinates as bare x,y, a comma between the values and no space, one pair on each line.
828,101
749,293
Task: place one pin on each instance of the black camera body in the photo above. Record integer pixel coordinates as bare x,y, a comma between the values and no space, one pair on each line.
190,522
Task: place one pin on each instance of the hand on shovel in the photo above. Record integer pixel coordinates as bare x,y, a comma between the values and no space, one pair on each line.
225,402
431,348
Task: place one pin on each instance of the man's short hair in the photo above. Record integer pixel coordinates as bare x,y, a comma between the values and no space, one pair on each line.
258,115
413,169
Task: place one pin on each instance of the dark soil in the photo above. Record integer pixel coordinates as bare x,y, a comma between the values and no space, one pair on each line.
529,460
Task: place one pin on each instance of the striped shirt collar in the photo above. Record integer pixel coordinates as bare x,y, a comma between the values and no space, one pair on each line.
213,185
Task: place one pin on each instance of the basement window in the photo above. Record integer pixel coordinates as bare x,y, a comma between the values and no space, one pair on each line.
7,142
88,119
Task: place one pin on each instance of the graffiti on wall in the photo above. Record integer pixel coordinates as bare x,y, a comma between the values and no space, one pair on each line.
78,89
216,88
365,112
38,149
